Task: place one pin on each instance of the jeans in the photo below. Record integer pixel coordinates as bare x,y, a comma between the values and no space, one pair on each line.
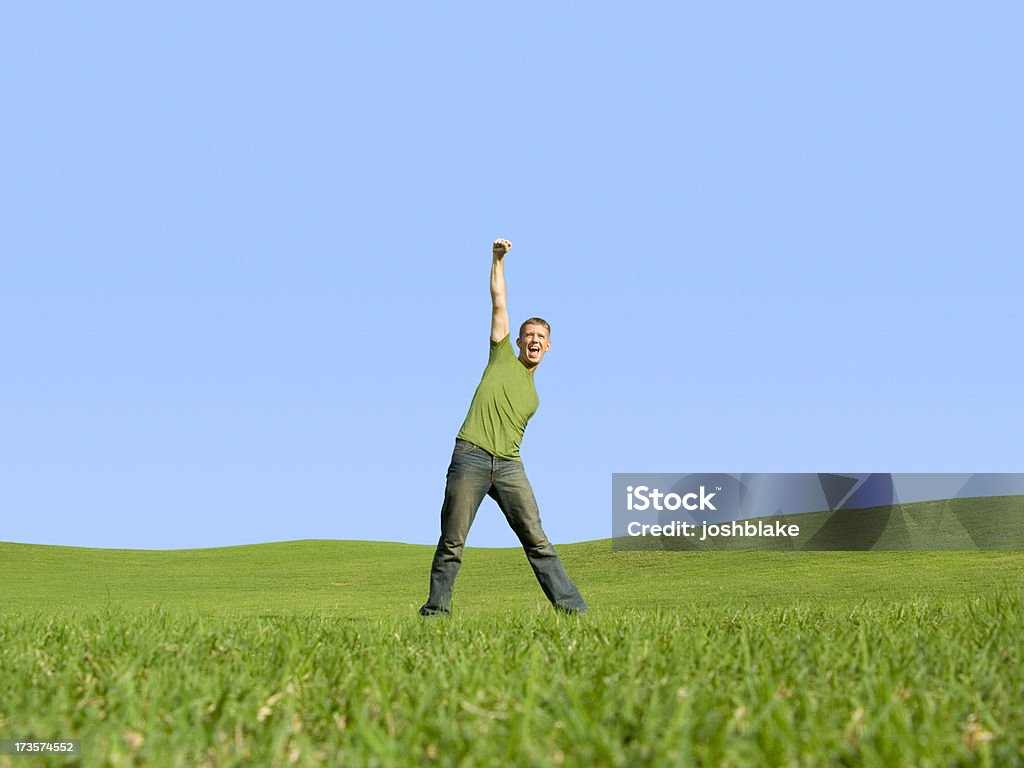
473,474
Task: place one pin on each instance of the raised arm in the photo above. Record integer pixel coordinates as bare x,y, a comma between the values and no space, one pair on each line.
499,312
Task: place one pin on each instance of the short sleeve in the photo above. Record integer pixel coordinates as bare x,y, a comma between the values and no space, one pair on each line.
498,348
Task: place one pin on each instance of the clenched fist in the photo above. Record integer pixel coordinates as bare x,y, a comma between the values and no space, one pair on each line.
501,247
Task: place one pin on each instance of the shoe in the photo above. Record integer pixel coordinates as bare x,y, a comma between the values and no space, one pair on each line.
567,609
427,612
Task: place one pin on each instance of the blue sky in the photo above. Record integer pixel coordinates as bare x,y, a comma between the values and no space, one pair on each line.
245,254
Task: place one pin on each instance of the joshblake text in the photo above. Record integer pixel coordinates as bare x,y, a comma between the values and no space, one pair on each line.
714,530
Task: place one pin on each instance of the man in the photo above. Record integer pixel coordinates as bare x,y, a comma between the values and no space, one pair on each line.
486,458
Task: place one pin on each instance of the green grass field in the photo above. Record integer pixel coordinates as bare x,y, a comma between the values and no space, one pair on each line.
310,653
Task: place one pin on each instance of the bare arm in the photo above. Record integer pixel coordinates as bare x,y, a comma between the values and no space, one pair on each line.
499,312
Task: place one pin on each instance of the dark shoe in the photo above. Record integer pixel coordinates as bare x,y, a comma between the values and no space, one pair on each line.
425,611
570,609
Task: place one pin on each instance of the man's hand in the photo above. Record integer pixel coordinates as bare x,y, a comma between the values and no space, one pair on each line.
501,247
499,314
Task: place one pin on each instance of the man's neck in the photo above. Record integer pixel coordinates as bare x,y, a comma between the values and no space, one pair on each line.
532,370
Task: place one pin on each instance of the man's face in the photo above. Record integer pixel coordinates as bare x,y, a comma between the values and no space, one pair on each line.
533,343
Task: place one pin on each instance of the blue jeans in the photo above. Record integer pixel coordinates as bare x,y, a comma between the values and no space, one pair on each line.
473,474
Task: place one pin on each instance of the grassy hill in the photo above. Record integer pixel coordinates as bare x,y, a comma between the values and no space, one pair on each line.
309,653
367,580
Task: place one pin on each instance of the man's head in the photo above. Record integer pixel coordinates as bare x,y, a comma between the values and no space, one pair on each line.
534,340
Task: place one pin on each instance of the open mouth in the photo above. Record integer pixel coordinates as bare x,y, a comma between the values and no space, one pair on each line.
533,348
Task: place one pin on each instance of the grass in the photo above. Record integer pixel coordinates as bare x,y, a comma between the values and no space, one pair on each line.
309,653
373,580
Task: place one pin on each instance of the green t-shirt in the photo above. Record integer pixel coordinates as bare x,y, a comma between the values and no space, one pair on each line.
504,401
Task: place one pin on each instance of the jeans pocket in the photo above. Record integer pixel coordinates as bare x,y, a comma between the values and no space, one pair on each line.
463,447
